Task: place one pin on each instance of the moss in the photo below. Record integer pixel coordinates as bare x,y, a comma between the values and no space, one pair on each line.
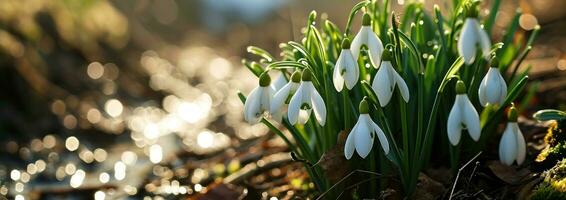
554,184
555,140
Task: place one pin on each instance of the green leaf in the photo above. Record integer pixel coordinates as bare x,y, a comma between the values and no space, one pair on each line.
369,92
352,15
260,52
549,114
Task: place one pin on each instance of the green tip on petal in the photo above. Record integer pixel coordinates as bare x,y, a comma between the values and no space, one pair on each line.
512,114
296,77
307,75
346,43
364,107
494,62
264,80
386,55
460,87
366,20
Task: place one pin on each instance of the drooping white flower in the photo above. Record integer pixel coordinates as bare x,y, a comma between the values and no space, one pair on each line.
279,82
258,101
361,137
512,147
283,96
305,100
367,37
471,36
385,81
493,88
463,116
346,70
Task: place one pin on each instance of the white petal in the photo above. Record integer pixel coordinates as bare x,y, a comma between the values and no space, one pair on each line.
381,136
402,87
318,106
359,40
484,40
349,147
493,90
363,139
521,146
352,71
266,97
279,82
337,77
470,117
482,94
295,105
468,40
252,106
280,97
454,124
382,84
508,146
375,48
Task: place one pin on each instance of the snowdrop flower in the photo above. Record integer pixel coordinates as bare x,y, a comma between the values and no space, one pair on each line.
367,37
471,36
346,70
512,146
279,82
306,100
283,95
385,81
258,101
361,137
463,116
493,88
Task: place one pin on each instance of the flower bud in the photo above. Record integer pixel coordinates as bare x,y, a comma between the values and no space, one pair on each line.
307,75
512,114
264,80
346,43
364,106
296,77
460,87
386,56
366,20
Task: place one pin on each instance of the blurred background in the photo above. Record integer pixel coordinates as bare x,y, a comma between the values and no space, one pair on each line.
105,99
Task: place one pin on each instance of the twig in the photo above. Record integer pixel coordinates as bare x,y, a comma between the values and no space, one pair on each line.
459,171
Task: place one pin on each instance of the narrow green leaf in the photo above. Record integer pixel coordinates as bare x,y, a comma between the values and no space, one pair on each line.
549,114
261,52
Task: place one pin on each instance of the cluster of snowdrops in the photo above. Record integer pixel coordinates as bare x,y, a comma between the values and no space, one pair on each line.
329,79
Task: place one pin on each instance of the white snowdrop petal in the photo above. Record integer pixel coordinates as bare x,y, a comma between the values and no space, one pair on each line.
482,94
492,86
280,97
467,41
363,138
521,146
295,105
359,40
266,96
382,84
402,87
454,124
508,146
381,136
484,40
352,71
470,117
279,82
337,77
318,107
252,106
349,147
375,48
